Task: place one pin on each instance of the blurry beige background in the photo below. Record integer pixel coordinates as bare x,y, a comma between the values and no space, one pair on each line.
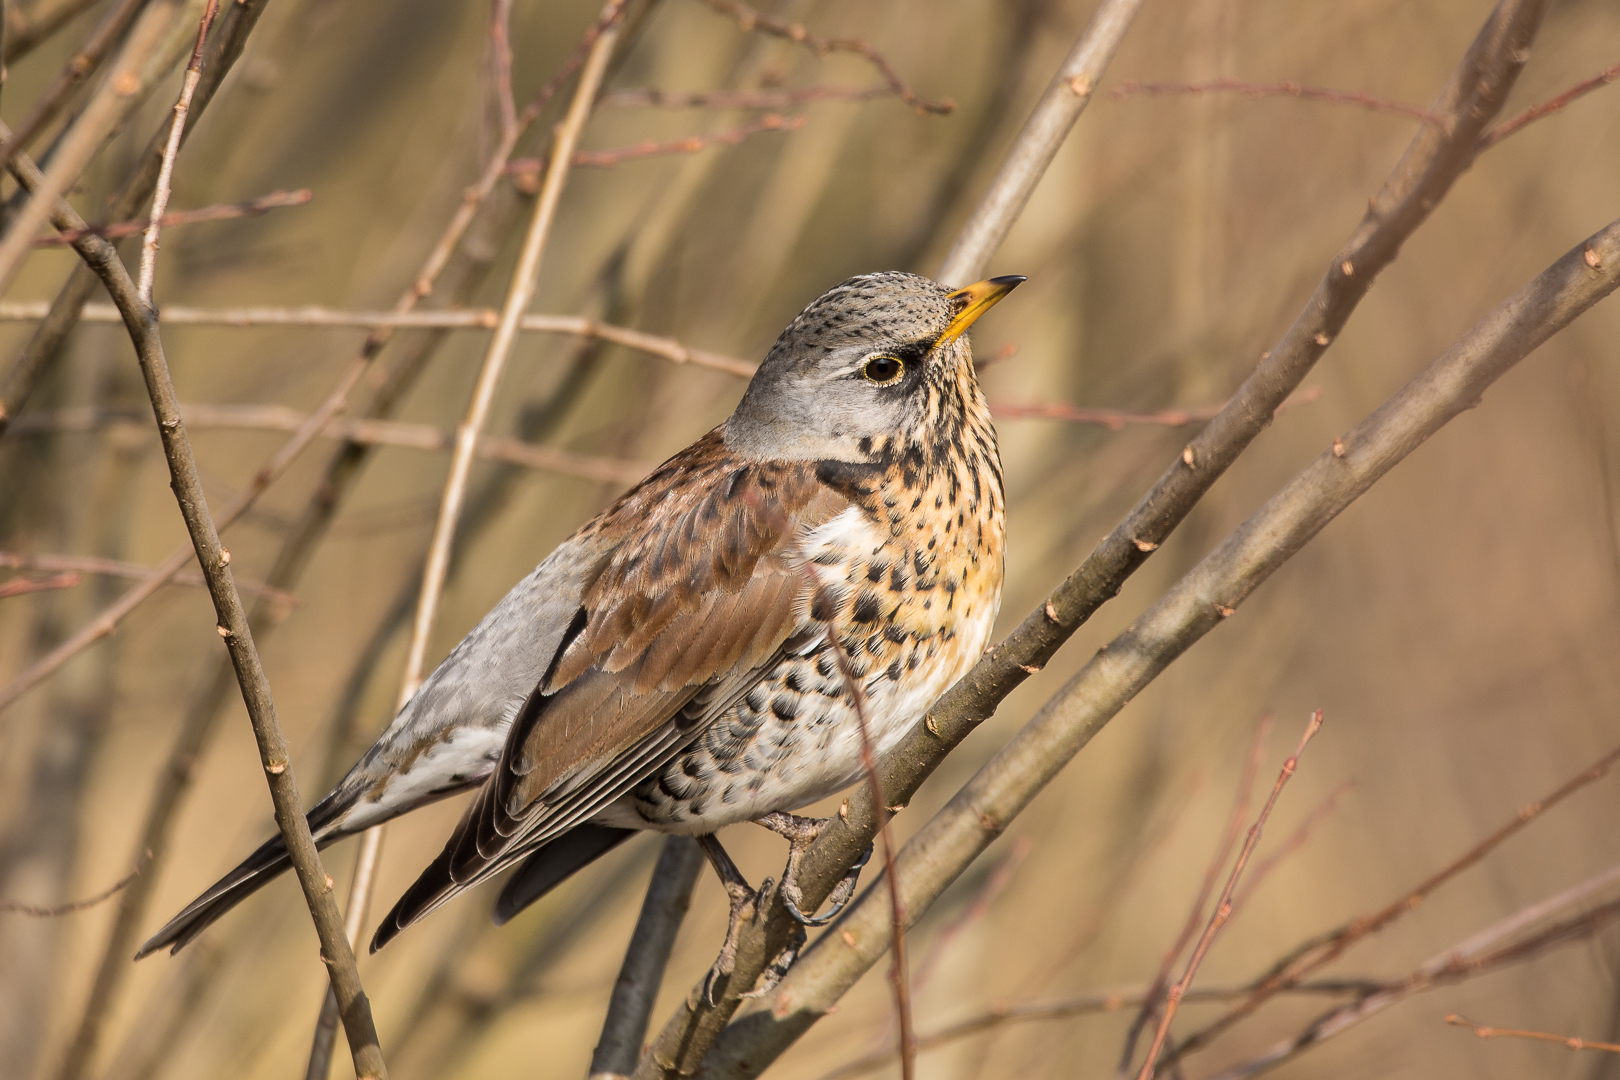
1459,625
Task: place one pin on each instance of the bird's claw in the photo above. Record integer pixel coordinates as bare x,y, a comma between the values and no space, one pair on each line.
839,898
746,904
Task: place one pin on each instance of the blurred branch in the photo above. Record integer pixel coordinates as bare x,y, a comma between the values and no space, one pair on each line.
26,29
669,894
1522,936
218,212
527,170
153,46
24,586
165,180
1573,1042
446,319
1314,954
1203,598
1223,906
83,564
1154,999
741,99
1547,108
1294,843
142,323
752,21
80,66
1037,144
230,35
359,432
1118,419
1286,88
78,905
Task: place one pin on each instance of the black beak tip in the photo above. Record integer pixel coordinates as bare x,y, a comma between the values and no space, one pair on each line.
1010,281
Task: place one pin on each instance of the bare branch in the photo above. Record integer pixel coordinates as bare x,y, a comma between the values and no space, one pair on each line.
165,180
1573,1042
218,212
1286,88
449,319
774,98
1065,99
77,905
752,20
1223,907
669,894
527,170
84,564
23,586
1547,108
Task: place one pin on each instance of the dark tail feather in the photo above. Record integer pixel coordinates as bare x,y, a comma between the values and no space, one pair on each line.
555,863
539,873
255,872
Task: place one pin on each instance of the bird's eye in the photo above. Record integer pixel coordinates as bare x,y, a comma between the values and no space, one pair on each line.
883,369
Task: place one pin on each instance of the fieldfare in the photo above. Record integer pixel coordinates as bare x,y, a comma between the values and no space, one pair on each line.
672,666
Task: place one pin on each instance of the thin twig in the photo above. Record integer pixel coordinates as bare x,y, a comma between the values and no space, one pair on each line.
1293,844
1521,936
218,212
526,171
1119,419
1285,88
897,908
1573,1042
160,197
77,905
449,319
775,98
84,564
25,30
23,586
1321,950
1234,828
1548,107
1223,907
500,48
752,20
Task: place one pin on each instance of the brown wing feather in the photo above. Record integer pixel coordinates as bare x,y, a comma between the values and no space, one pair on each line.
693,604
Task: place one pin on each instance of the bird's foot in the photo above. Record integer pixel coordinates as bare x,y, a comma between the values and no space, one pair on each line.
800,832
746,904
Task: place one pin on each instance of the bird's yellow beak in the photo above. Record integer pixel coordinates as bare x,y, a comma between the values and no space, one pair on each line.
975,300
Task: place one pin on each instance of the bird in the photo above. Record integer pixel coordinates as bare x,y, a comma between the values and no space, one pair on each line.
715,646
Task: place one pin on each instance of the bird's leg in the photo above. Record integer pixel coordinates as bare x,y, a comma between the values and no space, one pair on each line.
744,906
800,832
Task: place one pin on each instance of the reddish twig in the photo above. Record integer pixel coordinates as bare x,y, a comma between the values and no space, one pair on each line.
1234,827
1285,88
500,48
1313,954
76,905
1223,909
1574,1042
1288,847
217,212
23,586
772,98
160,196
1118,419
752,20
528,171
84,564
1535,112
897,908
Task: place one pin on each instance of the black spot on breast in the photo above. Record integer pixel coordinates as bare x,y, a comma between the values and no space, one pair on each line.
823,605
875,571
897,578
893,671
867,608
785,707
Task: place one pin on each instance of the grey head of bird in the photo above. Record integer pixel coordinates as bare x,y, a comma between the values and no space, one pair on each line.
872,360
